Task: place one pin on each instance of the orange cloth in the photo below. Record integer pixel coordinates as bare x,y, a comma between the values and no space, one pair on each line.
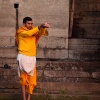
28,81
26,41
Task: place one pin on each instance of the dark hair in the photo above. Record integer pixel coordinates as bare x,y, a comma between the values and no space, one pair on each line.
27,19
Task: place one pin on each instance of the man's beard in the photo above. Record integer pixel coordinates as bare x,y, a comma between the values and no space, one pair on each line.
30,28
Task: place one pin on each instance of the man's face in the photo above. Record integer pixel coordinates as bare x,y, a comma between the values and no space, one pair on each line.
28,25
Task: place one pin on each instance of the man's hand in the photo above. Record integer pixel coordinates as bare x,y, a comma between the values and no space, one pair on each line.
44,25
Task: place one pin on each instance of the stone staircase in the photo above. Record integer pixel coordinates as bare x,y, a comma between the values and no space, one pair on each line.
66,80
76,77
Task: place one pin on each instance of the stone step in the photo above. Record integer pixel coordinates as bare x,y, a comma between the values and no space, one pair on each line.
56,53
86,30
43,96
7,31
84,47
84,54
7,85
57,42
86,36
53,76
11,52
77,54
72,88
10,61
6,41
87,6
48,73
67,65
85,20
89,88
58,73
8,52
75,41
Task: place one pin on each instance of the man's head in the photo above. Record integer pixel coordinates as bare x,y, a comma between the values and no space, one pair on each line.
27,21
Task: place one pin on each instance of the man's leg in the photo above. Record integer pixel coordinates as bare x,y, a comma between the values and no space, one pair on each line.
29,95
23,92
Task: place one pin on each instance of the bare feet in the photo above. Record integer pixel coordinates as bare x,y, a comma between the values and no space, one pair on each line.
23,92
29,95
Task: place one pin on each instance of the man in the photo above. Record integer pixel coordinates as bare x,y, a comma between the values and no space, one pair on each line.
27,37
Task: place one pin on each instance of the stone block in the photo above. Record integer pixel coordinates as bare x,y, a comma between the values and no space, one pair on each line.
57,54
6,41
84,47
81,6
40,53
50,5
83,41
7,31
84,14
53,42
8,72
94,6
58,32
70,87
11,85
10,21
87,5
88,20
96,75
12,41
68,66
52,54
84,54
66,74
8,52
10,61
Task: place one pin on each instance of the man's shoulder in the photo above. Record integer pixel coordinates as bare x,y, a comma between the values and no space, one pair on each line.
20,29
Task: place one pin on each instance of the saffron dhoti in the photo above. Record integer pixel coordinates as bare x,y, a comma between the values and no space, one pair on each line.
27,71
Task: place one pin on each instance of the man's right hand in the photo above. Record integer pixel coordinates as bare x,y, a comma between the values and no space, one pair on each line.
44,25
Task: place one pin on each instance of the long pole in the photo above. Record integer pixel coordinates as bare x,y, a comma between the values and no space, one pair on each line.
16,5
71,16
72,4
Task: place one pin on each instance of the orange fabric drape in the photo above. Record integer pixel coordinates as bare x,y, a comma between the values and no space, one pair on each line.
28,81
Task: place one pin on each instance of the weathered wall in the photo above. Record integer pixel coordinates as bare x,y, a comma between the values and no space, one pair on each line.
57,13
84,43
86,19
56,78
